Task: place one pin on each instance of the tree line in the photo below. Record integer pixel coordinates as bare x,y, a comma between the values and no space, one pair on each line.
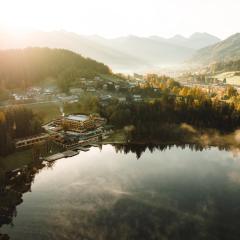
17,122
161,119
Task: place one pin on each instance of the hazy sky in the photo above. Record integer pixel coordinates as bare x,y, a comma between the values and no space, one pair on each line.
111,18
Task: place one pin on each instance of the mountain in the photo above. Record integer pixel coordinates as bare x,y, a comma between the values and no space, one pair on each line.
178,40
201,40
86,46
21,68
195,41
123,53
149,50
227,50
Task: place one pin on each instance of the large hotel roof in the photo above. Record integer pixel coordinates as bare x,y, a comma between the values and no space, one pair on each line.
77,117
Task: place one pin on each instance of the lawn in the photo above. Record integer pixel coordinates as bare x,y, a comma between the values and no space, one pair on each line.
118,136
16,160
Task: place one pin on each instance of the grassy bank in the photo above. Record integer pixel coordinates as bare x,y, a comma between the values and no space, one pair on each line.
118,136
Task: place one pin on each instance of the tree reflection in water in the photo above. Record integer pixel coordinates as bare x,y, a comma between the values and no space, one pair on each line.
198,209
13,185
139,149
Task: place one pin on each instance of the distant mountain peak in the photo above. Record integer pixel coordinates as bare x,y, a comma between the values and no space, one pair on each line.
195,41
178,36
178,40
157,38
198,35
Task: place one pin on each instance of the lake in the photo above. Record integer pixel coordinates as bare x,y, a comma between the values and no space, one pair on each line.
133,192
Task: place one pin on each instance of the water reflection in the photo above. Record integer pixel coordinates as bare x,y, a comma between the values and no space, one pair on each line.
184,192
12,187
139,149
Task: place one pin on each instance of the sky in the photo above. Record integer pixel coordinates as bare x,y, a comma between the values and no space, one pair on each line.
113,18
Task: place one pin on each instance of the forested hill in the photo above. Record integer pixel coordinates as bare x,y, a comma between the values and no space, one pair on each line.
225,66
224,51
31,66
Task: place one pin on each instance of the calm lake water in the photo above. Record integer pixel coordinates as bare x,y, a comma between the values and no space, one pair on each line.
175,193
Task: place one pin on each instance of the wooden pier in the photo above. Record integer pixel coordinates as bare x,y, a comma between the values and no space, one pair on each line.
65,154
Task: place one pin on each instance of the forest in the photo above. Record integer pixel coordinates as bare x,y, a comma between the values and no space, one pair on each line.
161,119
17,122
28,67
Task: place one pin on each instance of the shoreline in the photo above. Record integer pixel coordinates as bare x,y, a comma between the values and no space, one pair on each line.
204,140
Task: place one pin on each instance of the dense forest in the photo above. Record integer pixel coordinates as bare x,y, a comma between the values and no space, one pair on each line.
32,66
17,122
161,119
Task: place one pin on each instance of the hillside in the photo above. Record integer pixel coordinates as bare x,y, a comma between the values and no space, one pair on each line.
32,66
227,50
123,53
230,66
201,40
86,46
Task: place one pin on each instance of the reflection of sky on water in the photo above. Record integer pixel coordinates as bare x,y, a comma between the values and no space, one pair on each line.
77,195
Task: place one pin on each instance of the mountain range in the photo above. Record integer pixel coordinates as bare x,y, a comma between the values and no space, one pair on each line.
195,41
123,53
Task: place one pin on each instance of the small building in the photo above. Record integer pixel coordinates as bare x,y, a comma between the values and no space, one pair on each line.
105,97
137,98
122,99
105,86
91,89
97,78
76,91
30,141
69,99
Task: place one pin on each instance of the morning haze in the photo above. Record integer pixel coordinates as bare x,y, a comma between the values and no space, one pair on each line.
119,120
120,18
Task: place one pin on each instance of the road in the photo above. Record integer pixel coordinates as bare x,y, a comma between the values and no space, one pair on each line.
29,104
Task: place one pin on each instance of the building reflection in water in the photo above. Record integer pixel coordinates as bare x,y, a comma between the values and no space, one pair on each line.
15,183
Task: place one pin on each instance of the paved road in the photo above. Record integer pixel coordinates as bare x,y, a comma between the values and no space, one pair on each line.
29,104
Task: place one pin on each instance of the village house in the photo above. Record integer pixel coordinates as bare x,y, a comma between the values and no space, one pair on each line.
137,98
